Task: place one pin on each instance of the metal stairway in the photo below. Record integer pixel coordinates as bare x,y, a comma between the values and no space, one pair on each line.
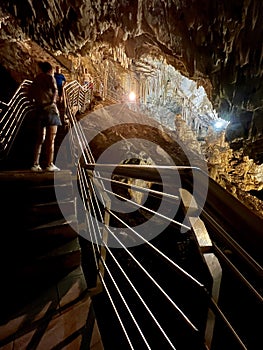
174,260
40,264
40,255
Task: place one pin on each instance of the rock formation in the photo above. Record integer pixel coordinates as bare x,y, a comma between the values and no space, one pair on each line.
219,40
218,44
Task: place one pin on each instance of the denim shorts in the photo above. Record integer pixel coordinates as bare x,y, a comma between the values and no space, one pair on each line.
49,115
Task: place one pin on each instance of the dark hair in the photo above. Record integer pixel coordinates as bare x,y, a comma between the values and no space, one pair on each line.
45,66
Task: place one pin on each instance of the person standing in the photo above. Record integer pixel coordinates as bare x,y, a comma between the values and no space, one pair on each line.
43,92
61,80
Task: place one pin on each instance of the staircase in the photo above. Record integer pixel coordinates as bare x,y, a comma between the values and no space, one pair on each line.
45,302
49,268
40,260
36,235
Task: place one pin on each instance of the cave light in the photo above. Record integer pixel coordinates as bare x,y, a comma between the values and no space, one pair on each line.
132,96
220,124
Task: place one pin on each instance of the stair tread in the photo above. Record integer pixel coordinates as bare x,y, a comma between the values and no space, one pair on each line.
43,204
67,248
54,223
50,186
32,178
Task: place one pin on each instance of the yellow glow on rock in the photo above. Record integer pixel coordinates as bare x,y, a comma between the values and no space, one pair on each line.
132,96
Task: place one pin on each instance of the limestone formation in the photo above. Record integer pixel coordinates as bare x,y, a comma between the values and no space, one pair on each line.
217,44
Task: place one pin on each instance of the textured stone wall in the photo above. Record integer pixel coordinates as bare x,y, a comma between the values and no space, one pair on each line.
216,43
218,40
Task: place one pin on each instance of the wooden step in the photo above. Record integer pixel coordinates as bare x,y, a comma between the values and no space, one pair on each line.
46,212
49,193
37,243
29,270
21,246
26,218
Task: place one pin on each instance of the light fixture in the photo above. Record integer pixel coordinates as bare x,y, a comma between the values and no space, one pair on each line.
220,125
132,96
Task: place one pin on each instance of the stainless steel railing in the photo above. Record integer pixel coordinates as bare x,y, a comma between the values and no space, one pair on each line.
237,266
12,117
146,278
77,99
99,206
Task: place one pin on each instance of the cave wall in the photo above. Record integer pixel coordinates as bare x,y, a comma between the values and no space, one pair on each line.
217,43
220,40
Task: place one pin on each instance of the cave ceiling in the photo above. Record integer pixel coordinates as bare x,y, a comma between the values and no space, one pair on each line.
219,40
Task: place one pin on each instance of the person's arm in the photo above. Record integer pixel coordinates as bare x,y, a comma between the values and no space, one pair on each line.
54,89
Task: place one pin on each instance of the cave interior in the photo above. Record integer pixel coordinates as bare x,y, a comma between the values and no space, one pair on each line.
202,59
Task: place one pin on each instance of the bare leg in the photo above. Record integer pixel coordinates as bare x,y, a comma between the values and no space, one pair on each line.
38,146
50,142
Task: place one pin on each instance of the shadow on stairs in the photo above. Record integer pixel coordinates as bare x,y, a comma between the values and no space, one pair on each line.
45,302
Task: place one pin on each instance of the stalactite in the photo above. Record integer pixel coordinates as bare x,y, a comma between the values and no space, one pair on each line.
255,14
139,17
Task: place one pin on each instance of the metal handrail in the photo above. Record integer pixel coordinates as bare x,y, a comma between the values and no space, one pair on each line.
96,176
12,117
246,218
77,99
221,227
150,173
